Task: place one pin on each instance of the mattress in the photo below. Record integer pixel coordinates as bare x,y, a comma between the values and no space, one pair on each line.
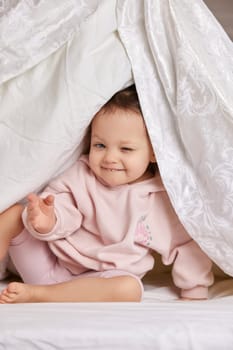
161,321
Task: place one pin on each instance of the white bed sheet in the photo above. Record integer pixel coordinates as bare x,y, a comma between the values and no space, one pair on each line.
161,322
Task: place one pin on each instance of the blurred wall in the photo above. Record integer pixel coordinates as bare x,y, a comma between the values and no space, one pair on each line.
223,11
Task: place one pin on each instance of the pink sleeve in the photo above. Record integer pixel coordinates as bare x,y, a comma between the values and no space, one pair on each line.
192,271
68,217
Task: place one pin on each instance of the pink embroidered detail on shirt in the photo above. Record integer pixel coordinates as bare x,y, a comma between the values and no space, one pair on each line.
143,234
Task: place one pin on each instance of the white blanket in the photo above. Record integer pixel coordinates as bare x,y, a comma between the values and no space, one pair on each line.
57,71
182,63
60,65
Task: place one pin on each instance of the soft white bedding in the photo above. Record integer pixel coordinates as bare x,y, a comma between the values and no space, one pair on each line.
64,63
182,62
54,75
161,322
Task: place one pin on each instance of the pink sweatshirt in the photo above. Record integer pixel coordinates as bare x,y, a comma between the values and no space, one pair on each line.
101,228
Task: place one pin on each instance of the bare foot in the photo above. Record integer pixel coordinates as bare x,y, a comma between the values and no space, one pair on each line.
17,292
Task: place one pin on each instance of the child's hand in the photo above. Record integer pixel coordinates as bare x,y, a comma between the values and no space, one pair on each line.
40,213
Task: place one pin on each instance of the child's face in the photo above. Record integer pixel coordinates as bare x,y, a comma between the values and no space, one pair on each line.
120,150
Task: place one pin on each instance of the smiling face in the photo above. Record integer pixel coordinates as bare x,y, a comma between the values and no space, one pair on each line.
120,150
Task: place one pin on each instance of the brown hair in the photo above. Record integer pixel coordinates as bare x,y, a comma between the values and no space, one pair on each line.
126,99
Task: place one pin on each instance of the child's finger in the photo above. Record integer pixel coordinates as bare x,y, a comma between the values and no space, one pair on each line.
33,204
32,198
49,200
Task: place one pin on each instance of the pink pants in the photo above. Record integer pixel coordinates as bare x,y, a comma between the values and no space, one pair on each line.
36,263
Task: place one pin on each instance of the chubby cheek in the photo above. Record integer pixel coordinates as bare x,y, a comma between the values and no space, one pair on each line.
138,165
94,157
93,161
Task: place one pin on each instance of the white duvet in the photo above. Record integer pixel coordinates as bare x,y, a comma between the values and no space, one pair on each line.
58,69
184,78
63,62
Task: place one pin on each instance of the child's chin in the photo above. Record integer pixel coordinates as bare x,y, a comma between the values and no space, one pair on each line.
113,183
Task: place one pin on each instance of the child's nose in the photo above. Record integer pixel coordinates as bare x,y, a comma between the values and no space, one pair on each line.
110,156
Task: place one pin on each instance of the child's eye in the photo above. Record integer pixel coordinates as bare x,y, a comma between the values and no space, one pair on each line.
99,145
126,149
